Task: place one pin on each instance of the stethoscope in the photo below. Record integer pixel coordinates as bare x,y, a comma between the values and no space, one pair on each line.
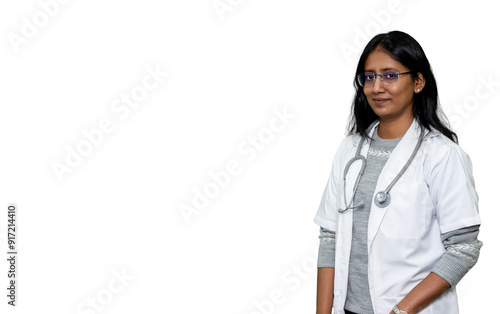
382,198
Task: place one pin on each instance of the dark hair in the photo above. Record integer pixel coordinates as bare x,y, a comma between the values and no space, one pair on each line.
426,109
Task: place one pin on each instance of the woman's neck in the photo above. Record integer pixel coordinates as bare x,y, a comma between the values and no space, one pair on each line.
389,129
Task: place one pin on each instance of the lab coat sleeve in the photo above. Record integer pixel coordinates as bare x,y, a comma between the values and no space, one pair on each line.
452,190
326,214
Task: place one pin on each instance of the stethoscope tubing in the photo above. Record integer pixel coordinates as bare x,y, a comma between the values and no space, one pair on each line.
382,198
403,170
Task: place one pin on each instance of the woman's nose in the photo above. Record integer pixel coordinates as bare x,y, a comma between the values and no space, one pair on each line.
378,86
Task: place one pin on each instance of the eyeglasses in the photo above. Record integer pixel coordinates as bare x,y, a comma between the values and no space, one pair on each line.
387,78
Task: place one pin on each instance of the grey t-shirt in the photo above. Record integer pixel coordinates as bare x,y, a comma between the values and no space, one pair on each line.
358,293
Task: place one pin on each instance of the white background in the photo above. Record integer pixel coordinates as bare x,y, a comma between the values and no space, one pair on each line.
229,72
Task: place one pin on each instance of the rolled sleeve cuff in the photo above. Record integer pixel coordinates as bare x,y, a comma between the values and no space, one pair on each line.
326,254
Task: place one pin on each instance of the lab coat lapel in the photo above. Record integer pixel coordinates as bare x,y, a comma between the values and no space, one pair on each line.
394,164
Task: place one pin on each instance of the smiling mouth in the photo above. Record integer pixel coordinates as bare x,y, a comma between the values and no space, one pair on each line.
380,101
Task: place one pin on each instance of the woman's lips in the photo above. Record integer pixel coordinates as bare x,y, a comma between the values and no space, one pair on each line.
380,101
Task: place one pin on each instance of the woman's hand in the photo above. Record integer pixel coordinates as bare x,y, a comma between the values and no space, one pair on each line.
423,294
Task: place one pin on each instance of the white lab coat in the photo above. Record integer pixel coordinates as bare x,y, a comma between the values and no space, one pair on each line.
435,195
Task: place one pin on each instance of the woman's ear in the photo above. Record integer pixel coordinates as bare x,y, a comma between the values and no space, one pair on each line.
419,82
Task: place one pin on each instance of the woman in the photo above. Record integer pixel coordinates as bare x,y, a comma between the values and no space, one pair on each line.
402,250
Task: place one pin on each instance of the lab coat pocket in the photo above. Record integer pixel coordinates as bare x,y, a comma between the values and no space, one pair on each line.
406,214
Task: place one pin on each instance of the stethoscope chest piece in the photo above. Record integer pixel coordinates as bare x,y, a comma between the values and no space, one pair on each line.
382,199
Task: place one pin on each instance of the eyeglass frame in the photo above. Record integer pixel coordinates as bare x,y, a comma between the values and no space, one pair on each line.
381,78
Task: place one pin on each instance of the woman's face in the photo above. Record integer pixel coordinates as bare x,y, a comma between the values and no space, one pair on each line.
390,102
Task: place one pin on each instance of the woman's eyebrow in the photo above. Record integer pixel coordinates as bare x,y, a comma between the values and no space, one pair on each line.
383,70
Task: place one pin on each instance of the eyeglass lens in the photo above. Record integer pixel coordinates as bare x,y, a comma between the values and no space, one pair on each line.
368,79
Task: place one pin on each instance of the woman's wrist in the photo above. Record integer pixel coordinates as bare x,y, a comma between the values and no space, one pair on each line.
398,309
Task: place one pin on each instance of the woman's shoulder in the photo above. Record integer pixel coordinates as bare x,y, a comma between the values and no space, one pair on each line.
351,139
348,143
439,147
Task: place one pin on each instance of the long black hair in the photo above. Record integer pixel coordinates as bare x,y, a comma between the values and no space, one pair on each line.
426,109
